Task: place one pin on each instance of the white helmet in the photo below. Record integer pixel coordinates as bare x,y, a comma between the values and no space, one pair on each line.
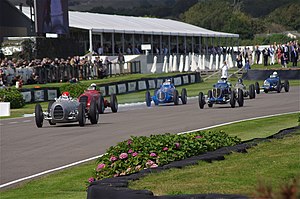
93,84
275,73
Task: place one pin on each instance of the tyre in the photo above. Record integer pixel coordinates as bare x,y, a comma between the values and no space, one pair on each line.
148,98
81,115
240,98
49,112
232,99
39,116
201,100
176,97
266,91
93,112
286,86
251,91
101,106
257,89
278,87
114,103
209,95
183,96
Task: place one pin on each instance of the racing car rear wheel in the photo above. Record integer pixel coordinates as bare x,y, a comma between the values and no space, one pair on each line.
101,106
39,116
201,100
176,97
114,103
286,86
251,91
93,112
49,110
278,87
81,114
232,99
240,98
257,89
148,98
183,96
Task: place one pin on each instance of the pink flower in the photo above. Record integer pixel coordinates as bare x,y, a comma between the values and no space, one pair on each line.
134,154
116,175
100,166
129,142
198,137
130,151
128,170
138,167
153,166
123,156
113,158
152,154
149,163
165,149
91,179
177,145
123,173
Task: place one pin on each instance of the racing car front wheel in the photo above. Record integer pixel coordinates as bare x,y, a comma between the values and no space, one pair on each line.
251,91
148,98
183,96
114,103
257,89
278,87
39,116
232,99
101,107
286,86
201,100
93,112
176,97
240,98
81,114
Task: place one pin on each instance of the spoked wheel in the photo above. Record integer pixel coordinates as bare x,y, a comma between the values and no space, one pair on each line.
114,103
209,95
176,97
49,112
232,99
81,115
183,96
257,89
201,100
93,112
39,116
101,106
148,98
286,86
240,98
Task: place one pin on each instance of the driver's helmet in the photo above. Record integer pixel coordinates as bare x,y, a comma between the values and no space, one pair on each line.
275,74
93,86
65,95
240,81
168,81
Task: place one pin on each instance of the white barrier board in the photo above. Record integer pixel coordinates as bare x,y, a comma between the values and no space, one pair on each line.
4,108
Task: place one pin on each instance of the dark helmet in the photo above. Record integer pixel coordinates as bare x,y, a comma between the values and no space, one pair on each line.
240,80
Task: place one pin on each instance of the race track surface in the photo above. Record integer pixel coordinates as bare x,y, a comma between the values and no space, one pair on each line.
27,150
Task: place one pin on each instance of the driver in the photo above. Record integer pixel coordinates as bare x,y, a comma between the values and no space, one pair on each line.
167,82
65,95
93,86
240,83
275,74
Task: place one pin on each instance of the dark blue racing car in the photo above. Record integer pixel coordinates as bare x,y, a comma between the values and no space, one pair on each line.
221,94
273,83
167,93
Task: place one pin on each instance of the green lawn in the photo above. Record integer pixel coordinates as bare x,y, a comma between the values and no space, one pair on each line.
70,183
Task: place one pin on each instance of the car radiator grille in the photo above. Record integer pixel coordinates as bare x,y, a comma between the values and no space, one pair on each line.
83,100
217,92
161,96
58,112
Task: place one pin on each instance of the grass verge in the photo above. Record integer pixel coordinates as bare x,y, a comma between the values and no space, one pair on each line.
69,183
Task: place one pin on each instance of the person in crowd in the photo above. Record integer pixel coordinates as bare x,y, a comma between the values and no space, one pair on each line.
265,56
121,62
294,56
239,59
257,54
33,79
279,54
284,60
272,55
224,71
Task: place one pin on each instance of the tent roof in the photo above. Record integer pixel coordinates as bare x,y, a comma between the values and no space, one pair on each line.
99,23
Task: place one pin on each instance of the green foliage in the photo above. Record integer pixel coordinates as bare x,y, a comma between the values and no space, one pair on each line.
74,89
142,152
13,96
266,39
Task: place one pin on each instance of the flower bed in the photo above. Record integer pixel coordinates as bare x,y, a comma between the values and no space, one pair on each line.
143,152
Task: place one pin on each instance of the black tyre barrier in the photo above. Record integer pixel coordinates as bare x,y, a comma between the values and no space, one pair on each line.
117,188
264,74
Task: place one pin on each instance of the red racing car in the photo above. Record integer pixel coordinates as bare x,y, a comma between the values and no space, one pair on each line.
93,93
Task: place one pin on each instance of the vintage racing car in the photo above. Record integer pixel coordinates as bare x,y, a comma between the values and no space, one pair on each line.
247,93
273,83
167,93
221,94
66,110
102,103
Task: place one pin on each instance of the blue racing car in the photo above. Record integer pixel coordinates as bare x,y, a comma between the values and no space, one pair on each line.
273,83
167,93
221,94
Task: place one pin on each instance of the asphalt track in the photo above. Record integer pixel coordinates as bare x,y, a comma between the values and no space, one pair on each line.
27,150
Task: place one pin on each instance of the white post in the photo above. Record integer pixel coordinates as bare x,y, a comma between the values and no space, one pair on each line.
91,41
